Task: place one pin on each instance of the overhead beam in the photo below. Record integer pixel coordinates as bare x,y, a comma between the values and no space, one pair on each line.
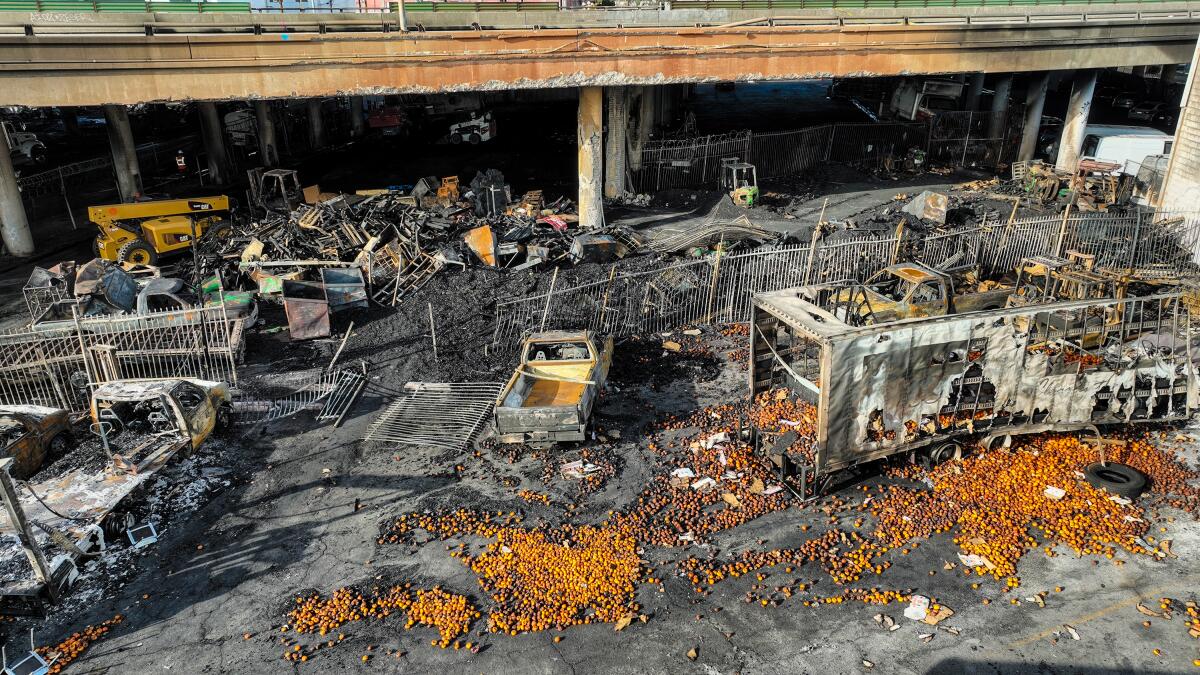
95,70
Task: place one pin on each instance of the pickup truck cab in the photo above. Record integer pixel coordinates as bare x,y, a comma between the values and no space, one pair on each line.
912,290
549,399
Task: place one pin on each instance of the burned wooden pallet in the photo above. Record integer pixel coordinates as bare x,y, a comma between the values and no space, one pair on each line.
407,273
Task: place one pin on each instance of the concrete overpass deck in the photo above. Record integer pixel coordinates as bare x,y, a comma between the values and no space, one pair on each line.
79,59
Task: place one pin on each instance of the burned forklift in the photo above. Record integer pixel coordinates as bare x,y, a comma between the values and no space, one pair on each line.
1093,186
740,180
275,191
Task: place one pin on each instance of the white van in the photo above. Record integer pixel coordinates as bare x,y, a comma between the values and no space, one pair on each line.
1124,144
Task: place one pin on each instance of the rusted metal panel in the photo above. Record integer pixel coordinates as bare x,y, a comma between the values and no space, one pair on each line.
344,288
307,309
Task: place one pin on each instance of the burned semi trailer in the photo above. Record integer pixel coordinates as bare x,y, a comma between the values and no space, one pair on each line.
942,384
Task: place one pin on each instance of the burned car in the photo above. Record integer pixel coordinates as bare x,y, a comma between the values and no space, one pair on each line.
32,433
187,409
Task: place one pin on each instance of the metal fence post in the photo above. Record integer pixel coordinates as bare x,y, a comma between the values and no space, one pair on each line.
549,297
16,517
1137,234
1062,230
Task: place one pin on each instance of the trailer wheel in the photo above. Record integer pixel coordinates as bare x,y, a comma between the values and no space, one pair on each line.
1119,479
943,452
997,442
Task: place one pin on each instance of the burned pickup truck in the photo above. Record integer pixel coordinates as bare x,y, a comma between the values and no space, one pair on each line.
550,397
941,384
142,425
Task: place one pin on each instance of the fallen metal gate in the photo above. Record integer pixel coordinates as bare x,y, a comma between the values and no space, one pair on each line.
327,395
443,415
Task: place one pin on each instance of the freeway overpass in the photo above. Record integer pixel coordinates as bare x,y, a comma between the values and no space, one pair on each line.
92,59
118,59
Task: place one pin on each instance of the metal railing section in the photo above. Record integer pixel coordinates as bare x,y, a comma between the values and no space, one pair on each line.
442,415
718,289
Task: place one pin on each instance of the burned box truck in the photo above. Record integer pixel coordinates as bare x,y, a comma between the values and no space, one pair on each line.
939,385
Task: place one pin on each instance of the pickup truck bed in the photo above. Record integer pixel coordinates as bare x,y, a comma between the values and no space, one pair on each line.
551,395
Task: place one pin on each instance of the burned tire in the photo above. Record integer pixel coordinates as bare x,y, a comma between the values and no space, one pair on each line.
1119,479
222,230
138,252
939,453
60,445
116,524
224,423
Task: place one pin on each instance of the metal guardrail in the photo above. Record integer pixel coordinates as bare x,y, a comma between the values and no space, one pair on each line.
89,6
1100,10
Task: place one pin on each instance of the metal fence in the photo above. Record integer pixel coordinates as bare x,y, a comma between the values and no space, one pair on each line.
66,191
718,289
56,366
978,139
950,139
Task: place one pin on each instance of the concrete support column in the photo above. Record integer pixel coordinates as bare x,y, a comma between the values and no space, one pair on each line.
214,143
974,91
1000,106
14,226
1075,124
1181,185
614,142
648,114
639,104
591,132
358,124
124,153
1035,100
316,126
268,147
70,119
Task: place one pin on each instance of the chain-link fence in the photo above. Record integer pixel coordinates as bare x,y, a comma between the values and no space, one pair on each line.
956,139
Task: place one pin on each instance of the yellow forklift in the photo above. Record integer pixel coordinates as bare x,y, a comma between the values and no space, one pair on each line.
140,232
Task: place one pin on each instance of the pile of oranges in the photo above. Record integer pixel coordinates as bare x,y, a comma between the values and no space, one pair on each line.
554,579
534,497
703,573
449,613
996,502
73,647
448,524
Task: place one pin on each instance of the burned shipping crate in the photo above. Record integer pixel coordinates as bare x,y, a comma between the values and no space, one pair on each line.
937,384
